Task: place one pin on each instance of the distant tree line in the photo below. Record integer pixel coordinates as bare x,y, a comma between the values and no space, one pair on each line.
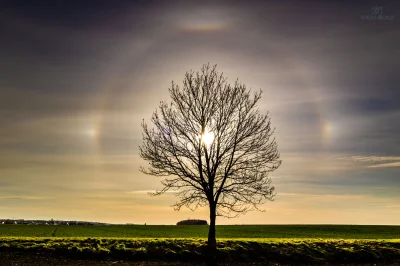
48,222
192,222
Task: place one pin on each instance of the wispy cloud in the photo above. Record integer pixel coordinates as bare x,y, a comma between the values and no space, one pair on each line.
371,158
394,164
322,196
23,198
147,191
374,161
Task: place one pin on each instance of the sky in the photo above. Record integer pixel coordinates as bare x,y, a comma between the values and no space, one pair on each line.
78,77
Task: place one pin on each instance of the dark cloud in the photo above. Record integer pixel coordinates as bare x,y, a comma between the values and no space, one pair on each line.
68,13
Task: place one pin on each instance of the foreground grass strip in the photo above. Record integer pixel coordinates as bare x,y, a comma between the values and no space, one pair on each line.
229,250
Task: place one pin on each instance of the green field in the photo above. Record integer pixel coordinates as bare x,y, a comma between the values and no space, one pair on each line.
240,243
193,231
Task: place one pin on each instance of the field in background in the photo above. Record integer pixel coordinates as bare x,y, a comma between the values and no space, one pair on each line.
200,231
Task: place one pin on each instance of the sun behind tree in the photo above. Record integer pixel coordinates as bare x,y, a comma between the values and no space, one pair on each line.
212,146
207,138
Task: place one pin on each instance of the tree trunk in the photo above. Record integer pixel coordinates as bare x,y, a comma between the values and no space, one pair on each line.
212,242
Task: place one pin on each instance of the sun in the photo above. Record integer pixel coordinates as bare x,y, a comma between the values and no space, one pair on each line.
207,138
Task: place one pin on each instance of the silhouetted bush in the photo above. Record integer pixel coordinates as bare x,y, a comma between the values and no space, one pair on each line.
192,222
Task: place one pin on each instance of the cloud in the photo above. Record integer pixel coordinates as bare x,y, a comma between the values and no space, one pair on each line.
24,198
374,161
147,191
322,196
394,164
371,158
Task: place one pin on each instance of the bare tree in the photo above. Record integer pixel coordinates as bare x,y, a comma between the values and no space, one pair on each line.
213,147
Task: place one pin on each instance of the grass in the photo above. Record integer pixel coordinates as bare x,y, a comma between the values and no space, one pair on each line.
248,243
228,250
191,231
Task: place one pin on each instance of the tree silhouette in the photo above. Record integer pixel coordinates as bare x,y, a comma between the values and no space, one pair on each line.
213,147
